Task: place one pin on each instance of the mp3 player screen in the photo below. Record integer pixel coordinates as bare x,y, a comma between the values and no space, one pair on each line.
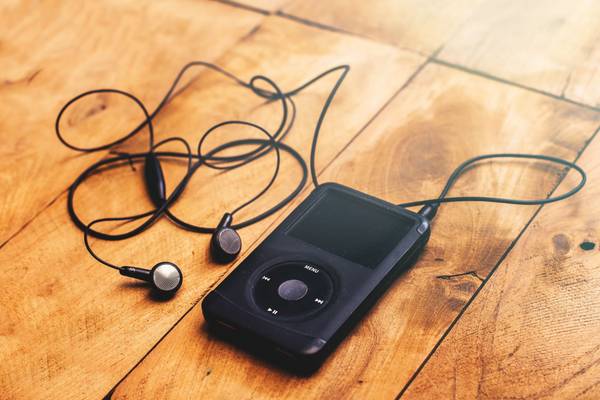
357,230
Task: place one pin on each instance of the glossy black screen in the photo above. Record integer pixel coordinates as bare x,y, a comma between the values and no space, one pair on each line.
352,228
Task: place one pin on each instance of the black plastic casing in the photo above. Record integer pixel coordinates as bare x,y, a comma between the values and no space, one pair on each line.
303,344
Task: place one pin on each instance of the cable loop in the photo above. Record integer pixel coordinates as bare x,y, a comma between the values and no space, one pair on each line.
274,141
211,159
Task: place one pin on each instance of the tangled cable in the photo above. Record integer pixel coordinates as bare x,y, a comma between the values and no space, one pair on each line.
213,159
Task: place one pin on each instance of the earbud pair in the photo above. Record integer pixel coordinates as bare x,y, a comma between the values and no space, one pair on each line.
166,278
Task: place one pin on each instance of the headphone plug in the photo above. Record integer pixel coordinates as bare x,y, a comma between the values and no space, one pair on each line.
429,210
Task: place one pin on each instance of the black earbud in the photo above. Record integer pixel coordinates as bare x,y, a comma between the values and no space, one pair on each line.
225,244
165,277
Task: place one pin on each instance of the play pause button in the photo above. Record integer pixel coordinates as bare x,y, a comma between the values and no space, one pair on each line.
292,289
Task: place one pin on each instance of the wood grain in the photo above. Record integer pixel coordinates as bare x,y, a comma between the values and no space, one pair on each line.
49,53
441,118
550,45
72,328
532,332
411,24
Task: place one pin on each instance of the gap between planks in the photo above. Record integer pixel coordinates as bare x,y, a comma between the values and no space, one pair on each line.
246,7
433,57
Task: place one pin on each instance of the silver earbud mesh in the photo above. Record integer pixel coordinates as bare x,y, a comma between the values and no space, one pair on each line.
230,241
166,277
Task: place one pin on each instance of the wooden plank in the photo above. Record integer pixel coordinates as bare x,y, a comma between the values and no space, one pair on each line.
51,51
549,45
410,24
67,319
532,332
443,117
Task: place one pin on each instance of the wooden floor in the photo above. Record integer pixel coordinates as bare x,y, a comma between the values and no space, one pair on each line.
503,304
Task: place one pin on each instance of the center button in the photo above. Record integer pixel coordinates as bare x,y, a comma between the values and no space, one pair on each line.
292,290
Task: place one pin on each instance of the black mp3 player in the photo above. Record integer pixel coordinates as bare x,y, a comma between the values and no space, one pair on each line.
304,287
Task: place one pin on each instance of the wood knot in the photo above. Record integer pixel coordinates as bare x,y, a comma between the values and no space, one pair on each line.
95,110
587,246
562,244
